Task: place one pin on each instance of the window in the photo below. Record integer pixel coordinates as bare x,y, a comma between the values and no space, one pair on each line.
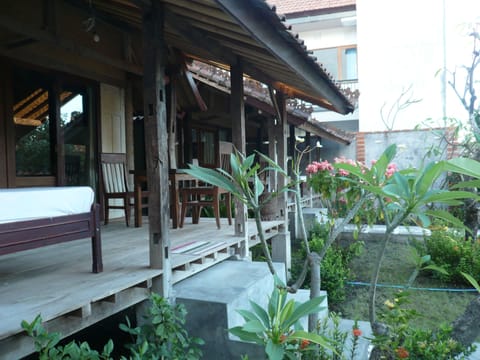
53,130
340,62
205,146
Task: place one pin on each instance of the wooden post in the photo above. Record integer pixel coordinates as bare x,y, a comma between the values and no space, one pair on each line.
156,143
129,130
237,112
281,249
172,129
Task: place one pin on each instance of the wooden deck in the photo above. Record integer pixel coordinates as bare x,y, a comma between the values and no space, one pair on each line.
56,282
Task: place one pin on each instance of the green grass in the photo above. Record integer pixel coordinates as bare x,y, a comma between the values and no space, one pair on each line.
435,306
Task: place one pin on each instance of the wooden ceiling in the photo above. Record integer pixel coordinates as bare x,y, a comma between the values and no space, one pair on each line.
221,31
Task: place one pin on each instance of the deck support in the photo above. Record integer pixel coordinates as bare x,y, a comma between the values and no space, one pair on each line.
156,144
237,111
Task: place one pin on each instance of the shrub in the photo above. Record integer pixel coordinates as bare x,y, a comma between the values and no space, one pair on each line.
400,340
163,336
334,269
449,250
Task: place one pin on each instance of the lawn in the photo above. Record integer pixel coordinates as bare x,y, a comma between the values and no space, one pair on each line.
435,306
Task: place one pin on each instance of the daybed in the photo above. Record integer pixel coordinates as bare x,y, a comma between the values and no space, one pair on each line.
35,217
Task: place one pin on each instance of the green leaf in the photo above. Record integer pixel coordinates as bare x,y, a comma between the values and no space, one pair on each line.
286,312
274,351
435,268
466,184
254,326
354,170
274,166
464,166
424,219
444,215
447,195
312,337
428,176
402,184
246,335
212,177
261,313
471,280
247,315
380,167
259,187
108,348
306,308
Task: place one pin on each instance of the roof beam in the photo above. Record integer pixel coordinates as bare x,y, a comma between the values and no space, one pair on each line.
198,37
259,23
66,44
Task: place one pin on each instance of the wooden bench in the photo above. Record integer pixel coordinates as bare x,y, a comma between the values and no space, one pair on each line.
33,233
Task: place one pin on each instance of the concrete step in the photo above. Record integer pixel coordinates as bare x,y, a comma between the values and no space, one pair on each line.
213,297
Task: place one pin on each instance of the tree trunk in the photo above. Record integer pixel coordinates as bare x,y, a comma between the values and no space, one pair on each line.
470,219
467,327
315,282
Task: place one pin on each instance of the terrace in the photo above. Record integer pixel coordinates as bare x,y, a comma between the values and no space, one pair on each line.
56,281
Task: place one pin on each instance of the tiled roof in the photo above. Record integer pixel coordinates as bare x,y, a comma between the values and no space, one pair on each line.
300,112
300,6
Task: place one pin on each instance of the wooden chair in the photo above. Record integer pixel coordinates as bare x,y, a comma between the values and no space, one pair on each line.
198,196
115,186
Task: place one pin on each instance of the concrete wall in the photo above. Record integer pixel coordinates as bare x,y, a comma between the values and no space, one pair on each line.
413,147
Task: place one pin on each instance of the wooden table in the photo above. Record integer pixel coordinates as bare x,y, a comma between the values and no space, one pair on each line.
175,178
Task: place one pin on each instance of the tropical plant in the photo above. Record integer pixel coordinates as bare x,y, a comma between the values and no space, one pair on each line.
334,267
278,328
48,348
401,340
244,183
340,339
405,196
163,335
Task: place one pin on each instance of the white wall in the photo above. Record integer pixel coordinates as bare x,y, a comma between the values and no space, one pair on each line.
112,105
401,44
112,109
327,31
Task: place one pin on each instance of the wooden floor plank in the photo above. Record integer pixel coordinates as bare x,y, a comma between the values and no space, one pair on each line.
56,280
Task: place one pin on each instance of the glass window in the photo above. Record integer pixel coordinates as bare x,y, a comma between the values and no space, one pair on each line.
349,63
31,111
340,62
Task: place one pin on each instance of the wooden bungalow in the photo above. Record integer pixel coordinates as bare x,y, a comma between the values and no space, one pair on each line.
74,74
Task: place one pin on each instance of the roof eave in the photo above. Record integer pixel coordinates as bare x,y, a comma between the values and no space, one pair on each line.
264,25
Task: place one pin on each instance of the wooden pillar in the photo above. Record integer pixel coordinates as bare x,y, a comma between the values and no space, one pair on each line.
172,128
156,143
129,129
281,249
237,112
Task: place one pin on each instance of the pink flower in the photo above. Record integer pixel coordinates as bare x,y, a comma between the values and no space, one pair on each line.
342,172
311,169
391,169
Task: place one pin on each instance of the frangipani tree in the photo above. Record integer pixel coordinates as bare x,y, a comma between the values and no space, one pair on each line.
244,184
406,197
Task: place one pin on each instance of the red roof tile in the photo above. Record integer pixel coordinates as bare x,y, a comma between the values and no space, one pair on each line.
299,6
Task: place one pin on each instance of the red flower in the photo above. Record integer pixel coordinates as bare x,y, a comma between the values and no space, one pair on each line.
402,353
357,332
283,337
304,344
